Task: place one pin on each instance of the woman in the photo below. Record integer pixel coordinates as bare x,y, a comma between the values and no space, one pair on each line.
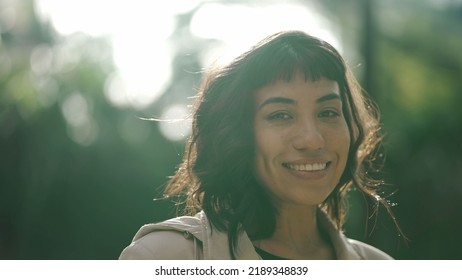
279,136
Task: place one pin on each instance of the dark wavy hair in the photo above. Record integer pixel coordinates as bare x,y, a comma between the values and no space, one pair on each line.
217,172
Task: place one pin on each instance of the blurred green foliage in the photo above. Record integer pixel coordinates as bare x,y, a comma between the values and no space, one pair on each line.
77,183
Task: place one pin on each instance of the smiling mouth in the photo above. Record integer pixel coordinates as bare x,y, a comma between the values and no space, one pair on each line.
307,167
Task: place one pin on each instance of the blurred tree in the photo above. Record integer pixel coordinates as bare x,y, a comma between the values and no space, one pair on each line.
71,164
419,69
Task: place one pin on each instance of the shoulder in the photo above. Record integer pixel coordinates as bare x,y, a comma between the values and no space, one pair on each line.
161,244
368,252
177,238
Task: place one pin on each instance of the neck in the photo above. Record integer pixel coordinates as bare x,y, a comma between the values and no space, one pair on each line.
297,235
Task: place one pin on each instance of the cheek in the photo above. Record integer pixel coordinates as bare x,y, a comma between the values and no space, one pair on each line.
263,148
340,141
268,145
260,150
343,142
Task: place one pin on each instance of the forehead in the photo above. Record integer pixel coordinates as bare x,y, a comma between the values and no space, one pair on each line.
297,88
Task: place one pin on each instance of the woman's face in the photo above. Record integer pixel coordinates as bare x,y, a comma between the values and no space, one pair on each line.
301,140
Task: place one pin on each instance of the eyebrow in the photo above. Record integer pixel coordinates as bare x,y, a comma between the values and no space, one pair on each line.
328,97
285,100
271,100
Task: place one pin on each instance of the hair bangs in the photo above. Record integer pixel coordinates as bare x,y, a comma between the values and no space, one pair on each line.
286,60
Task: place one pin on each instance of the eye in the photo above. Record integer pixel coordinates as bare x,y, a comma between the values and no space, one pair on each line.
330,114
279,116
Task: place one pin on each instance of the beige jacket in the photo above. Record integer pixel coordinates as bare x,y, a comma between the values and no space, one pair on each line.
190,238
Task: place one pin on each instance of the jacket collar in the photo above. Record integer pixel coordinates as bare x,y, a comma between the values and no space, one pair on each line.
342,246
215,243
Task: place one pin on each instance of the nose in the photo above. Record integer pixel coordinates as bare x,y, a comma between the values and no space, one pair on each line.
308,137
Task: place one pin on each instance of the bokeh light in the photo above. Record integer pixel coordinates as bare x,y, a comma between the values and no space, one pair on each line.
238,26
140,36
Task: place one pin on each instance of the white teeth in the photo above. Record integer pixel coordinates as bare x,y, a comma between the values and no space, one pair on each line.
307,167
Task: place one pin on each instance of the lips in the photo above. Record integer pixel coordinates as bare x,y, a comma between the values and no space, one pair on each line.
308,171
316,166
